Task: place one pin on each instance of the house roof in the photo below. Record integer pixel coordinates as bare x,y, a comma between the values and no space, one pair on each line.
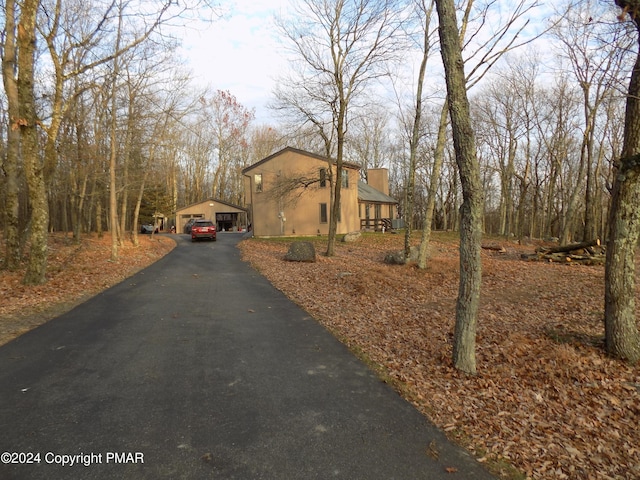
215,200
300,152
368,194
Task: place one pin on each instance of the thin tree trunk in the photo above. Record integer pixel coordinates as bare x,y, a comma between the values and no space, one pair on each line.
113,198
415,138
464,357
438,160
136,209
335,207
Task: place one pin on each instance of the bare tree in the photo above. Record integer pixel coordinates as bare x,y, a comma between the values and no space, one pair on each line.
369,142
30,148
76,44
425,12
482,51
622,338
596,66
230,121
471,209
8,43
340,46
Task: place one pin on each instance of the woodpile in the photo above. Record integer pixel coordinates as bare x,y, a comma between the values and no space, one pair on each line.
584,253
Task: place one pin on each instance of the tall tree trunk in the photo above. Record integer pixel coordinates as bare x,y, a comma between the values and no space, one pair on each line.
438,159
113,152
415,137
464,357
33,167
335,207
10,164
136,210
622,339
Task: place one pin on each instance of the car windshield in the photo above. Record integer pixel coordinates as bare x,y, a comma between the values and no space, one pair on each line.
203,224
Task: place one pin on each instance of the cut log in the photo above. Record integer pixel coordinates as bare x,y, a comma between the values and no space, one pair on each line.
494,247
569,248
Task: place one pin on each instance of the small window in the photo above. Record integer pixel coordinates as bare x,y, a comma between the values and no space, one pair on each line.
257,180
323,213
345,178
323,177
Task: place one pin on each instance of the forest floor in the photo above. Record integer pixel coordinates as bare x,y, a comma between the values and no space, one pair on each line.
75,273
547,403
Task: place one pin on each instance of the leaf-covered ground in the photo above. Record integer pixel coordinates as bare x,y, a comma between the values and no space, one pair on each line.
75,273
546,399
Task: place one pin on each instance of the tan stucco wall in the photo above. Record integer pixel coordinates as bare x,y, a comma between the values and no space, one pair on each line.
301,208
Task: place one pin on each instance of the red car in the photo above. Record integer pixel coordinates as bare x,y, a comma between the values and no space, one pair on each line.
203,229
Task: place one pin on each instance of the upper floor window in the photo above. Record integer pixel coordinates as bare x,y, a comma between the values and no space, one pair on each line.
323,177
345,178
257,180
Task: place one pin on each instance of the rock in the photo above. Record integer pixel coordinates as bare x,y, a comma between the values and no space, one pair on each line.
397,258
301,252
351,237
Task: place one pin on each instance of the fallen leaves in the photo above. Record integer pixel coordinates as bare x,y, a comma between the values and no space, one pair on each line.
75,272
547,400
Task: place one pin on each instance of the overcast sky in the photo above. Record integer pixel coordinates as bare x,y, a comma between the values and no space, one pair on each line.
239,52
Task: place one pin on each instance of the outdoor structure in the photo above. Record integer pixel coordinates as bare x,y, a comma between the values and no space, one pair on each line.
288,193
226,216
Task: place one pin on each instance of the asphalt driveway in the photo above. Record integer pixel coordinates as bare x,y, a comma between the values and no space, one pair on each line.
197,368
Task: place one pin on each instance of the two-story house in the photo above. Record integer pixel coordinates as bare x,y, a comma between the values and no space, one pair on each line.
288,193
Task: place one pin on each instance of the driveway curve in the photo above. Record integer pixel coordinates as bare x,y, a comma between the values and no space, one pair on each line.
198,368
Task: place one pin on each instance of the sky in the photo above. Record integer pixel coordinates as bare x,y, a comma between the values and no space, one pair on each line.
239,52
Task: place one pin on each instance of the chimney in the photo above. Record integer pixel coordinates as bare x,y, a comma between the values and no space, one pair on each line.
378,178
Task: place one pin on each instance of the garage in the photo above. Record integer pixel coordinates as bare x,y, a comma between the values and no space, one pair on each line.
226,216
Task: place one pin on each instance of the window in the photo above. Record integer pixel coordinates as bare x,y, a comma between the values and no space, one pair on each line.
257,180
323,213
323,177
345,178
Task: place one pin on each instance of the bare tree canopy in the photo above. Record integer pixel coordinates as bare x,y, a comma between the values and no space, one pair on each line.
340,47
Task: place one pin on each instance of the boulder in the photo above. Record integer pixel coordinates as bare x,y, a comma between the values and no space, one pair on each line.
301,252
397,258
351,237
